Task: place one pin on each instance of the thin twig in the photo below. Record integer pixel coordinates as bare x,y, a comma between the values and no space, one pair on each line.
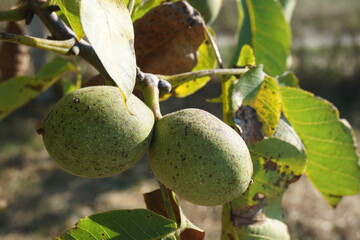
176,80
62,47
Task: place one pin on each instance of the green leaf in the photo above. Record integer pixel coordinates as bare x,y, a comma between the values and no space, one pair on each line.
108,27
121,224
71,10
247,84
288,79
278,161
18,91
206,60
154,202
265,29
333,164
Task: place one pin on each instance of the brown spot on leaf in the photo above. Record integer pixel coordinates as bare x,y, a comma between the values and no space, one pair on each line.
270,165
250,215
246,118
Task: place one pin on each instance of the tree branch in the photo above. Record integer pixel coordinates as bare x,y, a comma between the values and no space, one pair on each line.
176,80
60,31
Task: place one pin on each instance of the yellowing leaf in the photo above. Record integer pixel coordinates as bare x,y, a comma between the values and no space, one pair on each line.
267,103
247,56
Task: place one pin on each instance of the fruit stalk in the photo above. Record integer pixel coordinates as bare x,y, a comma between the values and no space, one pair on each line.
148,83
169,209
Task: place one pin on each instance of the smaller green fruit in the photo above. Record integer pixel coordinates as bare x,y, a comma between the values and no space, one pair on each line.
91,133
209,9
266,229
199,157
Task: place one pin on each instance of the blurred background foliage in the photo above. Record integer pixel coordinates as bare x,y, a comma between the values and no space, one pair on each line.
39,201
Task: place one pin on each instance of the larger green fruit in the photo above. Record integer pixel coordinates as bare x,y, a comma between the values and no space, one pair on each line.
91,133
209,9
200,158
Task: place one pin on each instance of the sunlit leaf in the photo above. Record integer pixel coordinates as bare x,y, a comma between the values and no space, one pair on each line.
247,56
71,10
16,92
333,164
108,27
121,224
265,29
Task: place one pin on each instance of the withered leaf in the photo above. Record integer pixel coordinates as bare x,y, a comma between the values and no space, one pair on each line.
167,38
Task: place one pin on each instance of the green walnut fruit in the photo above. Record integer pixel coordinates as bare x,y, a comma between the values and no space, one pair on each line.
209,9
200,158
91,133
265,229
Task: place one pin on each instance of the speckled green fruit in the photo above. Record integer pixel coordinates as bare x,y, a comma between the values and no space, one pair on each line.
209,9
200,158
90,133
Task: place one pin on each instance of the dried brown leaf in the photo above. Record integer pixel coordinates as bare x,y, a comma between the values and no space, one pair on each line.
167,38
